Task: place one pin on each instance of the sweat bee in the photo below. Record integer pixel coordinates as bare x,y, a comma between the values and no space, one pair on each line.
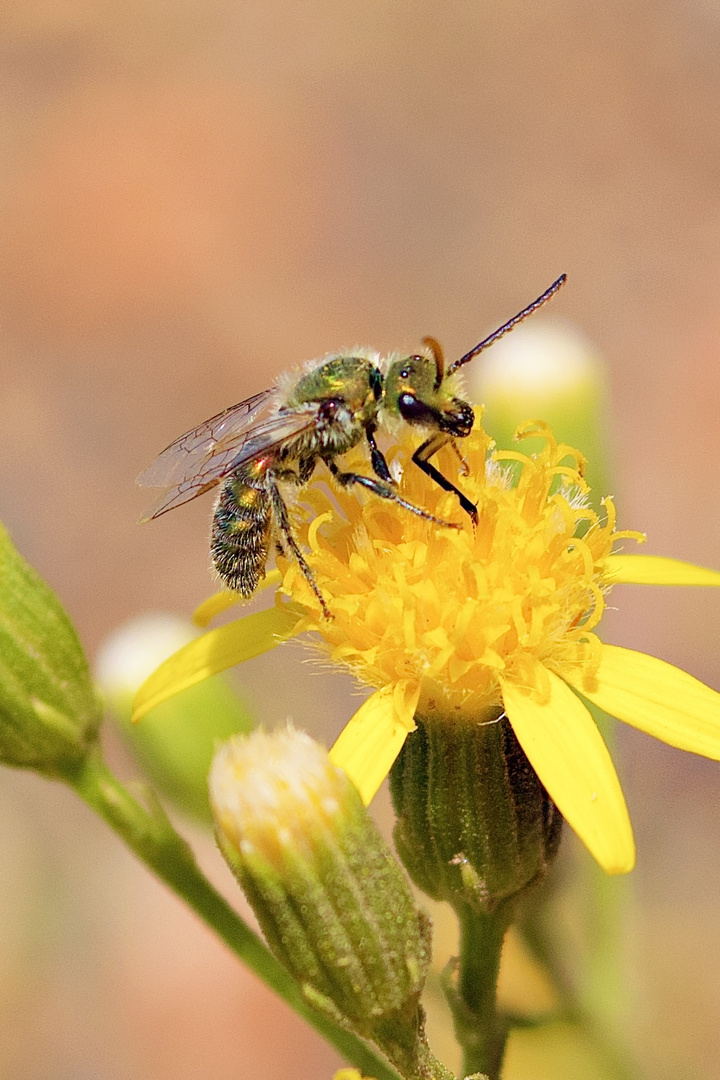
278,436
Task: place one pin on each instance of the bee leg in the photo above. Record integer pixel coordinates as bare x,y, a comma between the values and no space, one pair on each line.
283,522
464,467
299,476
306,468
420,457
377,458
345,479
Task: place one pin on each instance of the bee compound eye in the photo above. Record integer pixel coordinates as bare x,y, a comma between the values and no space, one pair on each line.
413,410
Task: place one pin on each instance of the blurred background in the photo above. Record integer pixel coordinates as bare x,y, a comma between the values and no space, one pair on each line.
196,196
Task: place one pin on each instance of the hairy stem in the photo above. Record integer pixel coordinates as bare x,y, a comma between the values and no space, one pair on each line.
480,1029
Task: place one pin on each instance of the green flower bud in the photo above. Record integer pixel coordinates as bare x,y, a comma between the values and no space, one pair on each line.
49,714
475,825
333,904
175,742
546,371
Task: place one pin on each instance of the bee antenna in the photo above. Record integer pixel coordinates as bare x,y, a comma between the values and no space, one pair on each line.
436,349
506,327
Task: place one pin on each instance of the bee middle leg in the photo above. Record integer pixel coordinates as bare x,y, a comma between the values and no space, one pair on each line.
346,479
420,457
283,522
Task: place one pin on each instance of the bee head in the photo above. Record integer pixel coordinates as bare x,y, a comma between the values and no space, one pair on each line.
416,390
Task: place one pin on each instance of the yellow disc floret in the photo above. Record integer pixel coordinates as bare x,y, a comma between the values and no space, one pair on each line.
453,609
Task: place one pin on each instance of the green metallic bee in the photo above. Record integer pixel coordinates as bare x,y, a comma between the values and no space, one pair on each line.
279,435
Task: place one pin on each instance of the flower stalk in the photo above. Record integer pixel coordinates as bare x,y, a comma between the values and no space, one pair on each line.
480,1028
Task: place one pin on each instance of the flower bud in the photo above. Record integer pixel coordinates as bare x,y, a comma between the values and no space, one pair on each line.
333,904
175,742
475,825
548,371
49,714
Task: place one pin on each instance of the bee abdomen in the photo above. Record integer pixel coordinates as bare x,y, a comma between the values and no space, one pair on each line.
240,537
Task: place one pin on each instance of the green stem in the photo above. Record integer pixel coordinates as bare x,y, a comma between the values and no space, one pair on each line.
403,1040
149,833
480,1029
576,1005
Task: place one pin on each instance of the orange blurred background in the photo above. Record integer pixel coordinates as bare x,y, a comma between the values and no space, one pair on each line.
196,196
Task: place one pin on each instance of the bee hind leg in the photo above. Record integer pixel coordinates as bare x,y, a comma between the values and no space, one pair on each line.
346,479
283,522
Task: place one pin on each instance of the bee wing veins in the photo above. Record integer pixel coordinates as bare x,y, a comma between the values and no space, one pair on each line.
185,456
224,456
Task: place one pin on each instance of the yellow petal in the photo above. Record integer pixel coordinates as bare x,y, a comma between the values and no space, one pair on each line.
373,738
658,698
566,750
656,570
221,601
213,652
214,605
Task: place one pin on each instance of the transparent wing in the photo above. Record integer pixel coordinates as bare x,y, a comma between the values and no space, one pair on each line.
184,457
236,447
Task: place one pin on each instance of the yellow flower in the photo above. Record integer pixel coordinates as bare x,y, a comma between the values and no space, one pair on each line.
458,623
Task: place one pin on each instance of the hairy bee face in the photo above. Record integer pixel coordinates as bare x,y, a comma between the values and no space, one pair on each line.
417,391
410,388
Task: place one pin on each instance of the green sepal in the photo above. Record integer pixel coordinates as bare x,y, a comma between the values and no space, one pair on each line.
474,826
49,713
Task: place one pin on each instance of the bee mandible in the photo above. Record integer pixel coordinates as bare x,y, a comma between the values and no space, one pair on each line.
278,436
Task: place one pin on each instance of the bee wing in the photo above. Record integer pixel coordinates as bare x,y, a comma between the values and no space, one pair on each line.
241,443
184,457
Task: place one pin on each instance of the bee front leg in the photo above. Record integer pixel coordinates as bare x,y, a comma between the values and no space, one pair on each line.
377,458
346,479
420,457
283,523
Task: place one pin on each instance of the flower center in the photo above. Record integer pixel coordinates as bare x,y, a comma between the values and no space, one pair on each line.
453,610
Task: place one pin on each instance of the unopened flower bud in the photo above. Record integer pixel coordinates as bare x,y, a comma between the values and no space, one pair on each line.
332,902
49,714
174,743
548,371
